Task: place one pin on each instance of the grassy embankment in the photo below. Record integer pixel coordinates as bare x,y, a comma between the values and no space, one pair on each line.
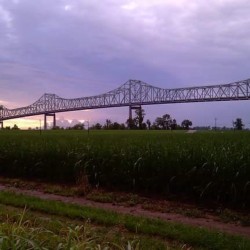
56,225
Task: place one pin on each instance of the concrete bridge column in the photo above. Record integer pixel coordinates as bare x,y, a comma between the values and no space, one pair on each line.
54,120
136,107
45,120
131,107
130,113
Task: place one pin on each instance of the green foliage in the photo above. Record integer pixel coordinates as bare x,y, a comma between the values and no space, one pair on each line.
238,124
140,113
186,124
205,166
193,236
25,232
79,126
96,126
15,127
165,122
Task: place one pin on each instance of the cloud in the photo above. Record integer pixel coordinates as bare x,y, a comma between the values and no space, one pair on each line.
5,17
172,35
79,48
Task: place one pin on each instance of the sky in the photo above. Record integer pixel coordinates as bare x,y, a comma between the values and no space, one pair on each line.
78,48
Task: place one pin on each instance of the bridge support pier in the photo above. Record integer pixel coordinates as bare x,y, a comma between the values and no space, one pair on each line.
1,124
135,107
131,108
45,120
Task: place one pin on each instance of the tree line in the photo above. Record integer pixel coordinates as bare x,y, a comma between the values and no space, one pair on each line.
165,122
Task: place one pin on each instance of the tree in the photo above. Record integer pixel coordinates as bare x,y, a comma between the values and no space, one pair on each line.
57,128
97,126
140,113
238,124
167,121
148,122
186,124
108,123
159,123
116,125
144,126
174,124
164,122
122,126
131,123
78,126
154,126
15,127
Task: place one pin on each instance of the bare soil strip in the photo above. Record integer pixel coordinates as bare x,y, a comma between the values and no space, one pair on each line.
137,210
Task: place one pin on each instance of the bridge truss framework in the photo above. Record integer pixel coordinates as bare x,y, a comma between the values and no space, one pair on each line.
134,94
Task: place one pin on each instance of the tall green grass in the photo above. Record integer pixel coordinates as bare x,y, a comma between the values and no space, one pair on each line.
207,166
194,237
24,232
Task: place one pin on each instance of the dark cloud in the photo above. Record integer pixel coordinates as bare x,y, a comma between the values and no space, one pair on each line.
79,48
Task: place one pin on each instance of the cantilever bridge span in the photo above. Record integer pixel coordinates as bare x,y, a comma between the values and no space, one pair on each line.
133,94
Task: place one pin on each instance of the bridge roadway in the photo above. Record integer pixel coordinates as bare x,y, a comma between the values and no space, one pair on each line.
134,94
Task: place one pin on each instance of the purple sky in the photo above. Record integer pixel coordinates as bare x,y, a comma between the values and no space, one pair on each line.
77,48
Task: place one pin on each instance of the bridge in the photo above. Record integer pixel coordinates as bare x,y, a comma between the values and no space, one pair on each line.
133,94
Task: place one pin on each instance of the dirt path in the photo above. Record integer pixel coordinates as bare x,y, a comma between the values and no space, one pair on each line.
137,210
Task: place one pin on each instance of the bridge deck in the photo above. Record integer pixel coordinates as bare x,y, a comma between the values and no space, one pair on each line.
131,93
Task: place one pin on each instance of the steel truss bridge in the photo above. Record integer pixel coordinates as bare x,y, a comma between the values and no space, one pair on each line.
133,94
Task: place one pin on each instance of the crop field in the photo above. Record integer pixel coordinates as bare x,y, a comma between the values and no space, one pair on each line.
208,166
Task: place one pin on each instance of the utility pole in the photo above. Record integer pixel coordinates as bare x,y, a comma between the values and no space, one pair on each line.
40,127
215,123
1,115
88,126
